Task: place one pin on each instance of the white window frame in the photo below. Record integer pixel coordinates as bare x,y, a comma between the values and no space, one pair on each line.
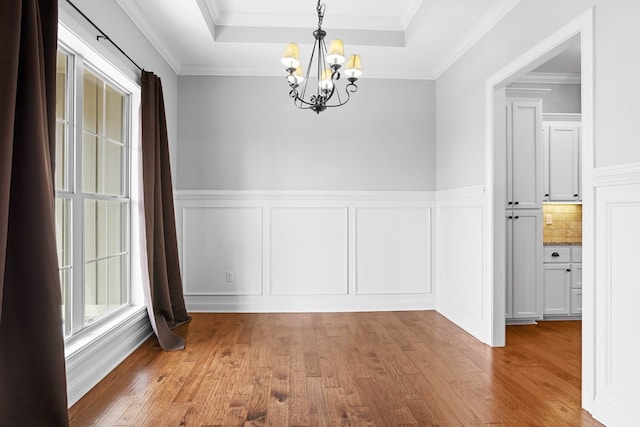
84,56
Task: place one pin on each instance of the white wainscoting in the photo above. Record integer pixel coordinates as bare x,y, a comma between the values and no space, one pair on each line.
617,295
305,251
462,288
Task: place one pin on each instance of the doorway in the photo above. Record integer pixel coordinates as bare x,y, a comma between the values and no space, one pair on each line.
580,30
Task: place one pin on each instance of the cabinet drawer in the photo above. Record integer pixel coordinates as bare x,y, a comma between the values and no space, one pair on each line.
576,253
557,254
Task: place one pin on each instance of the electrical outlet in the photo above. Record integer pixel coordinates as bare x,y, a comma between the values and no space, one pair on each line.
548,219
229,276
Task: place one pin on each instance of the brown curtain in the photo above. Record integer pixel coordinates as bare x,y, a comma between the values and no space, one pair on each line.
165,301
32,372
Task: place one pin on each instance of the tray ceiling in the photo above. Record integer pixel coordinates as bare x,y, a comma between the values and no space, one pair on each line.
406,39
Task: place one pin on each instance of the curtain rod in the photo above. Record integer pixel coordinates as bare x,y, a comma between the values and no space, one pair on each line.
104,36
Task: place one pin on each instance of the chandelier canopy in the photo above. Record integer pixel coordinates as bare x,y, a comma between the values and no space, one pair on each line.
327,65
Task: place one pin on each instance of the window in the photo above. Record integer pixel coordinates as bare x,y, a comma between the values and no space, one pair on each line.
94,136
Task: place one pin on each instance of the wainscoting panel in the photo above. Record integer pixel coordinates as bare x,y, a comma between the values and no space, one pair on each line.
617,294
309,248
222,251
305,251
462,288
393,250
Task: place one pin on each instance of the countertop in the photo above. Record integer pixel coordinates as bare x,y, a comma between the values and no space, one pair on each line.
562,244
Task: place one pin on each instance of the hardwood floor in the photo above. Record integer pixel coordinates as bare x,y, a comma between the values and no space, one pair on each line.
344,369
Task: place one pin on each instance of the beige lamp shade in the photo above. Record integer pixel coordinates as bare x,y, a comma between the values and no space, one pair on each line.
325,81
291,56
335,54
353,68
298,74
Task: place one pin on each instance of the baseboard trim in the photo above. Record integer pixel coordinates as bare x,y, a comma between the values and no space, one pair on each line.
206,304
90,363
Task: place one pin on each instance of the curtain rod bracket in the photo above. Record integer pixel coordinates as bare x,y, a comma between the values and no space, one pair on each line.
104,35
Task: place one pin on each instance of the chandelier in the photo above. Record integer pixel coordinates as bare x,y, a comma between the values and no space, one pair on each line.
327,66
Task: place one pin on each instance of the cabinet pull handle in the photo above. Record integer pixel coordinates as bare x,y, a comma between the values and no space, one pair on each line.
511,217
510,203
575,195
568,269
555,254
516,217
546,195
516,203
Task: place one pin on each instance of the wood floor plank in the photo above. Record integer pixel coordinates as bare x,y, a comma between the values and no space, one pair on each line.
343,369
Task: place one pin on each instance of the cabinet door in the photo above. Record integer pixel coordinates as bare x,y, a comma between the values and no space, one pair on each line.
564,162
576,276
509,292
557,293
576,301
527,264
524,155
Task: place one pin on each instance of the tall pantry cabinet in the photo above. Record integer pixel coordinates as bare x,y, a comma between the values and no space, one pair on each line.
523,210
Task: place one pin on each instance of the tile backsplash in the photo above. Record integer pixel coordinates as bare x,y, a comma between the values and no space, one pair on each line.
565,223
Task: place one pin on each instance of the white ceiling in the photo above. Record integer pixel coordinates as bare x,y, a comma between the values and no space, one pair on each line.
407,39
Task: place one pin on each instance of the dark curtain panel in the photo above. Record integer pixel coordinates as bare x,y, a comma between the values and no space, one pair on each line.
165,301
32,372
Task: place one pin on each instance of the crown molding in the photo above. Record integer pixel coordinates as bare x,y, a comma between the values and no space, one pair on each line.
208,12
551,78
488,21
527,92
139,18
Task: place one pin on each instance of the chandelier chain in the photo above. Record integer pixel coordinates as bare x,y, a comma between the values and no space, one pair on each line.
320,8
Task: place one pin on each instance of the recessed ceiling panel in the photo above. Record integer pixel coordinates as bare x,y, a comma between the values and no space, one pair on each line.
397,39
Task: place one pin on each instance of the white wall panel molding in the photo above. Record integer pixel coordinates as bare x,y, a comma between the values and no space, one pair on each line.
223,255
296,196
616,296
306,251
626,174
462,287
393,250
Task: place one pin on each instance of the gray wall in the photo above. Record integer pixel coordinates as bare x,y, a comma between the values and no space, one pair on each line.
460,107
243,133
114,22
563,98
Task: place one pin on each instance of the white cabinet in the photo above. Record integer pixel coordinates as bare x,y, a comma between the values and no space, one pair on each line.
557,289
524,154
562,161
524,264
562,280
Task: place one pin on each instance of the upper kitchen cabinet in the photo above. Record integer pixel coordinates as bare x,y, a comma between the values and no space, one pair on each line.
562,161
524,153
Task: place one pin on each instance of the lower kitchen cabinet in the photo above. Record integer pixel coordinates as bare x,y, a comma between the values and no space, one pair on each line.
562,281
557,289
524,265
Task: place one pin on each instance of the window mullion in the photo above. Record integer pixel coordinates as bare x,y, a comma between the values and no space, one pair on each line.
77,294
